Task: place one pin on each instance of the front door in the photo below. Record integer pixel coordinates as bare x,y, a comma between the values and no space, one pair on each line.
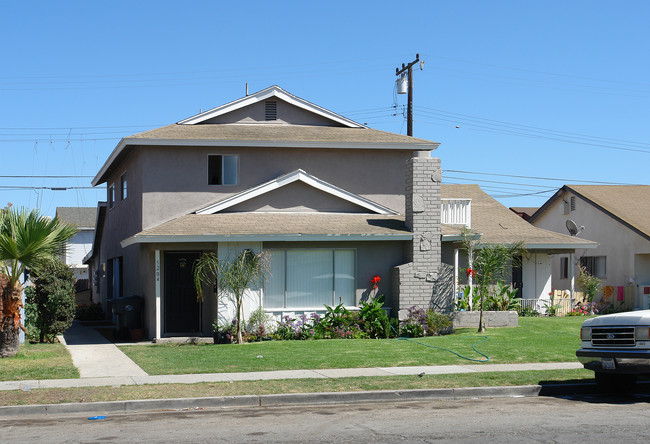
182,308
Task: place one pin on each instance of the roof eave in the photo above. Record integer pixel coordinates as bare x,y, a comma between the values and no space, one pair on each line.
298,237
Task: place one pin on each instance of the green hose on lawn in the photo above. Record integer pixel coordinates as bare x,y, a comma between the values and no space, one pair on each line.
485,338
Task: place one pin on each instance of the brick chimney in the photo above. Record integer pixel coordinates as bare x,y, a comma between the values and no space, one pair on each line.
417,278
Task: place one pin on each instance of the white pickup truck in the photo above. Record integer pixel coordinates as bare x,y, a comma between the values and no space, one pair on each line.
616,347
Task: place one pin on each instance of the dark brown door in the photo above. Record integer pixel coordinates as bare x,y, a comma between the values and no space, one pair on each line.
182,308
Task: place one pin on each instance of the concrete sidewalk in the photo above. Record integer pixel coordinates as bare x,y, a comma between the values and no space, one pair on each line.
101,363
95,356
284,374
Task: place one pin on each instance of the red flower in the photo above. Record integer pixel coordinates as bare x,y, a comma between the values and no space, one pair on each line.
375,280
469,272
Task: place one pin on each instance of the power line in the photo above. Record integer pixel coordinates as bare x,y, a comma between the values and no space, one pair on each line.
44,177
538,177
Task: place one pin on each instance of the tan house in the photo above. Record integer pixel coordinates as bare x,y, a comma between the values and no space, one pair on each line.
335,202
496,224
615,216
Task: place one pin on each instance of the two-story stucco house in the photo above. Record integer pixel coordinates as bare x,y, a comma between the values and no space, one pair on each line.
333,201
615,216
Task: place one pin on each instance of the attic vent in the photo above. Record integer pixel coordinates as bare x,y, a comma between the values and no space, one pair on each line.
271,110
573,203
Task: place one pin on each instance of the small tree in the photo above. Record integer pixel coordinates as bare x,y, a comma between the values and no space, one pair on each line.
490,264
54,298
591,285
233,278
27,239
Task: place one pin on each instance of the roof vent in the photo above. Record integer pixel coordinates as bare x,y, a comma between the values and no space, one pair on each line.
271,110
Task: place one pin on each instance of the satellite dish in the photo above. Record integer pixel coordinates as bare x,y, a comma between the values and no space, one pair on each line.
573,227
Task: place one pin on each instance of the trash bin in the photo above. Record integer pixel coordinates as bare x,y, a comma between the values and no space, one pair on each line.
128,314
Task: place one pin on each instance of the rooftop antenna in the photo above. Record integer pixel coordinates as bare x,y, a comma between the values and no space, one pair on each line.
573,228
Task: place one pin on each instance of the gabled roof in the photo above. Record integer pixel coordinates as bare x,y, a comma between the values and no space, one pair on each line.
628,204
260,96
498,225
286,179
80,217
344,134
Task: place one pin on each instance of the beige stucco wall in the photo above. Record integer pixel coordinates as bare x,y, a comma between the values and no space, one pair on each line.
618,243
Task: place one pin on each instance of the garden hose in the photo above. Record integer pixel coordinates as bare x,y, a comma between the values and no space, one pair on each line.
485,338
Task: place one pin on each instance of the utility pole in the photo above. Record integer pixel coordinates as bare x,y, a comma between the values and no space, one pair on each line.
409,109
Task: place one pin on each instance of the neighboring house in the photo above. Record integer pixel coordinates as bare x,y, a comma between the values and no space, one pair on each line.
524,212
333,201
79,245
496,224
615,216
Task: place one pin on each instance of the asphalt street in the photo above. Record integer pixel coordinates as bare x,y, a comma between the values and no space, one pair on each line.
577,418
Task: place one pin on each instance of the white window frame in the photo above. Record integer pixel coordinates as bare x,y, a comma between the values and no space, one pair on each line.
334,301
111,195
223,169
123,187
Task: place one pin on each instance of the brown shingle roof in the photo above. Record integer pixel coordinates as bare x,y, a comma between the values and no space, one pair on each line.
277,133
498,224
628,203
216,226
81,217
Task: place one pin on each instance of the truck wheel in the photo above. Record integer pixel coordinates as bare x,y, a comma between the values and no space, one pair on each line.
615,383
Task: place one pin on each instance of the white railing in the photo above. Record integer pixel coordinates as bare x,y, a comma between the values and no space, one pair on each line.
563,306
457,212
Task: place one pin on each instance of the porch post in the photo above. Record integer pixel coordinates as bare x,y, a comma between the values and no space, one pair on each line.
573,278
470,281
455,274
158,292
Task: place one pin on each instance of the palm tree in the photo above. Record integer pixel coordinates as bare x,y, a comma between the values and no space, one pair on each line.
27,239
233,278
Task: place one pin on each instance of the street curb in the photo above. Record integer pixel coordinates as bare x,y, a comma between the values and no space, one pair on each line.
288,399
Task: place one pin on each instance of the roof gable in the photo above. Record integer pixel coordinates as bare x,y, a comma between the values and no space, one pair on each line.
290,178
269,93
628,204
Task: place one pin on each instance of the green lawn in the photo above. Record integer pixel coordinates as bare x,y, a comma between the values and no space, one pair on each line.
535,340
38,361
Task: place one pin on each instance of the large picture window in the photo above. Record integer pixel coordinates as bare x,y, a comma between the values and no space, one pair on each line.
309,279
223,169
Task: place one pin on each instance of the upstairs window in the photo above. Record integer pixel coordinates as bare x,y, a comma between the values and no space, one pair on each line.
111,196
223,169
123,187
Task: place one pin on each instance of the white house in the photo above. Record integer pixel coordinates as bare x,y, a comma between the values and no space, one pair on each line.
618,218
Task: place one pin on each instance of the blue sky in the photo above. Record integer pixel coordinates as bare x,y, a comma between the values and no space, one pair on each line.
550,89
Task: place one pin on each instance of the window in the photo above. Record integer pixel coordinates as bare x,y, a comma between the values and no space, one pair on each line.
123,187
114,277
223,169
564,268
308,279
595,265
111,196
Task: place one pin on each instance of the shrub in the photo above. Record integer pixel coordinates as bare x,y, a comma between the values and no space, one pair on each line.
374,320
92,312
439,323
528,312
54,299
